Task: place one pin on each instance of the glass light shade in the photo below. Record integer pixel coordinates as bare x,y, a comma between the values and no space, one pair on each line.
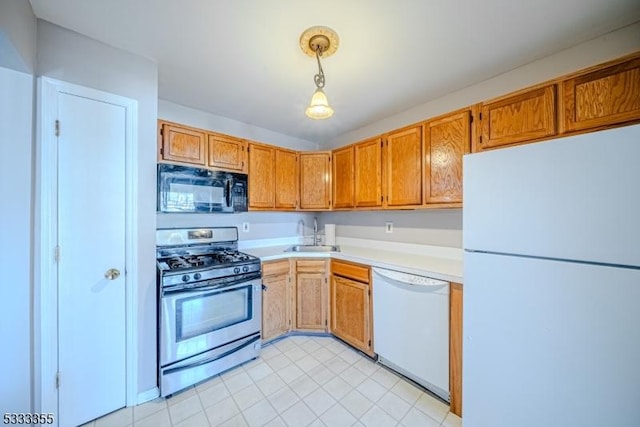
319,108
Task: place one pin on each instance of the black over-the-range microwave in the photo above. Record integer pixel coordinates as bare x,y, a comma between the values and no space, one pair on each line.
187,189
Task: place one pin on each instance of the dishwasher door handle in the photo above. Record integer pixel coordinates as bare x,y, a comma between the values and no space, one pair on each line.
408,279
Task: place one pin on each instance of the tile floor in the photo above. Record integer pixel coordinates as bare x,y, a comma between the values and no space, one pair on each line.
299,381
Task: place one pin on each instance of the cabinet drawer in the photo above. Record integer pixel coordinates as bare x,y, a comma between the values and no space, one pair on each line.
310,266
352,271
275,268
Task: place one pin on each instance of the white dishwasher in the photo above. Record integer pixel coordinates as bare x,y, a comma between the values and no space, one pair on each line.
411,327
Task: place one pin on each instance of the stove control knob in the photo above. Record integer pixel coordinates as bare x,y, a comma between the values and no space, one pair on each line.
185,278
245,268
236,270
197,276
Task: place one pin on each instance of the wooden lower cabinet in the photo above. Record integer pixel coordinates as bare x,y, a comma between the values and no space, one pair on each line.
350,305
276,299
455,348
311,295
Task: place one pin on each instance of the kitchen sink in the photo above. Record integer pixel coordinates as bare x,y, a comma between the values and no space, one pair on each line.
313,248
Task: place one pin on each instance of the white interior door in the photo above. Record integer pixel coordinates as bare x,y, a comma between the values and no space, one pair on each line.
91,238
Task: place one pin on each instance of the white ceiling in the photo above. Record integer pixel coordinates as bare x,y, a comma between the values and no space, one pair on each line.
241,58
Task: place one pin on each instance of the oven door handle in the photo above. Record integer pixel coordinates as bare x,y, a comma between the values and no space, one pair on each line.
220,286
213,359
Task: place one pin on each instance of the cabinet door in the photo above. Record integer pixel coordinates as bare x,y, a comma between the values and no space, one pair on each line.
446,140
404,167
350,316
276,311
261,176
315,180
227,153
182,144
311,295
368,173
603,97
343,178
455,348
286,186
519,118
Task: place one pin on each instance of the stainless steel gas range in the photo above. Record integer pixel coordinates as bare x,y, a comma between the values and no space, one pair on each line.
209,305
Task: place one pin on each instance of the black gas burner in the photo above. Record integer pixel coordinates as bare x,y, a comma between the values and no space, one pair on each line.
222,258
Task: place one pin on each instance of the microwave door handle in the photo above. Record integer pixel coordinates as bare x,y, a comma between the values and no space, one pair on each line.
228,193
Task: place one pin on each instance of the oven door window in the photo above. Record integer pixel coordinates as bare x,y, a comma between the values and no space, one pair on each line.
208,312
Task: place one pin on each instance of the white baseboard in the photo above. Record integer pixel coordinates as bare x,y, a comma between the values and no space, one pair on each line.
148,395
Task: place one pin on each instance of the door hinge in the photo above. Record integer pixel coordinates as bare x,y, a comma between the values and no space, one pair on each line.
57,379
471,116
57,128
369,343
369,292
480,116
480,139
56,254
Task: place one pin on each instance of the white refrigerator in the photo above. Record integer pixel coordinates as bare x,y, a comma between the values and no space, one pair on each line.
551,317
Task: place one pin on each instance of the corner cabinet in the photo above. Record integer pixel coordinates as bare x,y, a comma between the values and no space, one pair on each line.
446,140
403,162
368,173
182,144
315,180
276,299
343,177
310,295
350,304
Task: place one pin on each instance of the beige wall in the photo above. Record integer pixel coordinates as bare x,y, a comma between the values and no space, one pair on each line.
444,227
441,227
200,119
610,46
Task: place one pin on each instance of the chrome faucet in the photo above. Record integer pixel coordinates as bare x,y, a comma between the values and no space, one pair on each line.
315,231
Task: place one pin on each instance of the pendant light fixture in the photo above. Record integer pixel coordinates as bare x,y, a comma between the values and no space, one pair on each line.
317,42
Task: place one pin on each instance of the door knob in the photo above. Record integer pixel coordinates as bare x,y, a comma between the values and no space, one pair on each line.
112,274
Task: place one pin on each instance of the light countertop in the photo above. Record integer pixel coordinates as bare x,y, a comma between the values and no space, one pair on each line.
431,261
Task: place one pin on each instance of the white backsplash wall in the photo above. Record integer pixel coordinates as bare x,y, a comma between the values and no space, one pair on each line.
442,227
262,225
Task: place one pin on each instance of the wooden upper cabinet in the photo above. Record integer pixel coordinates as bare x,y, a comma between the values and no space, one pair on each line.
606,96
183,144
523,117
315,180
446,140
368,173
286,188
261,176
343,177
227,153
404,167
